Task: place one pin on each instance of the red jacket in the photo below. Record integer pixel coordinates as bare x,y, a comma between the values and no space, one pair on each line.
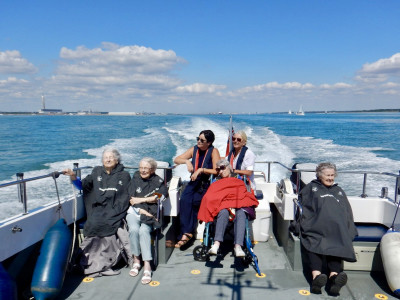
225,193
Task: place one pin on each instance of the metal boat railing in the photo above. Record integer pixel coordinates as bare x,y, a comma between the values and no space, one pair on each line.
21,181
364,173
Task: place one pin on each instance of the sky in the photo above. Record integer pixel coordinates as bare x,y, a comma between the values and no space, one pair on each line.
186,56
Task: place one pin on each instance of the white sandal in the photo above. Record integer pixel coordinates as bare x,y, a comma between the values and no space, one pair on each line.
146,279
135,270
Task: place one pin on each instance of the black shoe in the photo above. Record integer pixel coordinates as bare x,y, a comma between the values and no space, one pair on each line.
337,282
318,283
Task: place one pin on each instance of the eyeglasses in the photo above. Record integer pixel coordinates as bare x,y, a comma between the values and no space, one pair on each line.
221,168
144,168
201,140
236,139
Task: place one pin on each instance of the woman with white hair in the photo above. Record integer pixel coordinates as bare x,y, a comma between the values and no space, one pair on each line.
227,199
105,193
241,158
145,189
326,229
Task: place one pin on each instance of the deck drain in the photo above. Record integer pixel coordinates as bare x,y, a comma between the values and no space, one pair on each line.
87,279
381,296
154,283
304,292
195,272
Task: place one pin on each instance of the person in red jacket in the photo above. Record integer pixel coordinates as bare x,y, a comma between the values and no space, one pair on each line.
227,199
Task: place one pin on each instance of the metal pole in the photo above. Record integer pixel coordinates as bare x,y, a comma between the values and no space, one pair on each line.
22,192
269,172
397,189
77,170
364,195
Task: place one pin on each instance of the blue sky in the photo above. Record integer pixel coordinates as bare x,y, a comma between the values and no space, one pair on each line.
199,56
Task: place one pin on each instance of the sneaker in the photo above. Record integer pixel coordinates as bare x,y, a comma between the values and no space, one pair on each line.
239,252
337,282
318,283
213,250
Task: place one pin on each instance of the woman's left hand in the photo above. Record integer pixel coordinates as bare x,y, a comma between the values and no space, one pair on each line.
134,201
196,174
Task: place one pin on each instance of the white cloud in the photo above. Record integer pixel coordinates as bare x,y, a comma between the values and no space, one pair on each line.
11,62
274,86
117,60
380,70
116,70
336,86
198,88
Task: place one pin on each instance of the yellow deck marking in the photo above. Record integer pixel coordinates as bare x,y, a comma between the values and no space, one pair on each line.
304,292
195,272
154,283
381,296
87,279
261,276
254,242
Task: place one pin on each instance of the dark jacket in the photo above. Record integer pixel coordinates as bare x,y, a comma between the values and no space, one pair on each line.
142,188
327,225
106,200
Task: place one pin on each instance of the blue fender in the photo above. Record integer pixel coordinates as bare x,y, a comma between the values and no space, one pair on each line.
8,288
49,273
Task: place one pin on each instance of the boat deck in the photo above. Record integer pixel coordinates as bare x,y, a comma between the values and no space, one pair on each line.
223,277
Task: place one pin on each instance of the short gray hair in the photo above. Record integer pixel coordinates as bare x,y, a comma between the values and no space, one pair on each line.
224,162
115,152
151,161
324,166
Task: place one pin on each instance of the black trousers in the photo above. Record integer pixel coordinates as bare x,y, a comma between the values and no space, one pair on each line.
316,260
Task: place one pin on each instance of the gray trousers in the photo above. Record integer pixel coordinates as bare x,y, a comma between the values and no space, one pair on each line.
139,236
239,225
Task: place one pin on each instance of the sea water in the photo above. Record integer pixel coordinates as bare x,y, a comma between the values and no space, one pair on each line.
38,145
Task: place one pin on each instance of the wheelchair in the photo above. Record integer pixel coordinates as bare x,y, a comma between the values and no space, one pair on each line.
200,252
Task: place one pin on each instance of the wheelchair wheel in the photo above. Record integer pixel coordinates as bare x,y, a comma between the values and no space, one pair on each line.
199,253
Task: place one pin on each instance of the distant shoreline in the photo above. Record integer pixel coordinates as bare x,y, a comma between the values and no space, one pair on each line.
394,110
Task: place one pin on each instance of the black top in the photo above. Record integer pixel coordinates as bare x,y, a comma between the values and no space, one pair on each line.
106,200
327,225
140,187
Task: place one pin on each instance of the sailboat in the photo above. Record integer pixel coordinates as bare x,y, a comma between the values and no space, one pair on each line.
300,112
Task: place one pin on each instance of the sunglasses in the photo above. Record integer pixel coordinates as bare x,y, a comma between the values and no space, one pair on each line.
221,168
236,139
201,140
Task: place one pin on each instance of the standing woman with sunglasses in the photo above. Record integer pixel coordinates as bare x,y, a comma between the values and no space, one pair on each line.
241,158
201,161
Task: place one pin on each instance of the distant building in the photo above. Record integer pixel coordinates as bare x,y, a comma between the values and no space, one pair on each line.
127,113
48,111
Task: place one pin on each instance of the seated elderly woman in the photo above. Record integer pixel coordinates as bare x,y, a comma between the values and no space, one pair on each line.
145,189
326,229
224,196
105,193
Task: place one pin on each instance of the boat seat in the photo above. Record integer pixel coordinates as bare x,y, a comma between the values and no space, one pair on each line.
370,232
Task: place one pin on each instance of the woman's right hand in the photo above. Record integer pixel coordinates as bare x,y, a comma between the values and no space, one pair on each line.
70,173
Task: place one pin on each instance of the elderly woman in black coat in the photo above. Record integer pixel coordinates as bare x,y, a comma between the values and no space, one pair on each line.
327,229
105,193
